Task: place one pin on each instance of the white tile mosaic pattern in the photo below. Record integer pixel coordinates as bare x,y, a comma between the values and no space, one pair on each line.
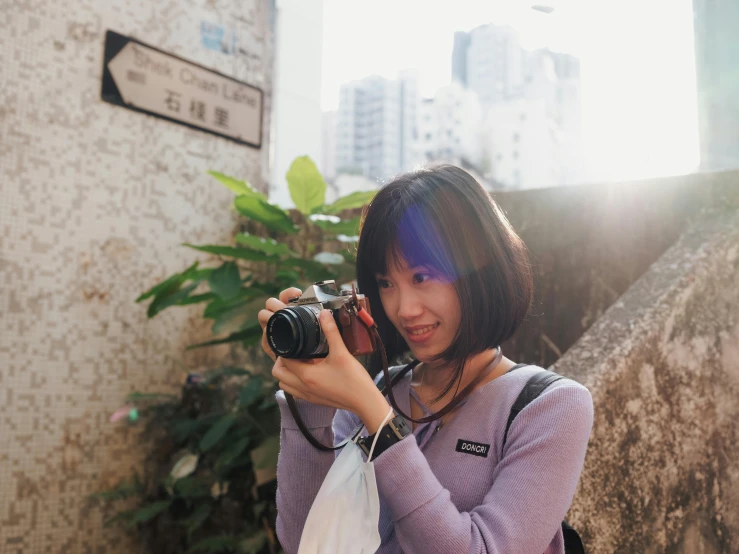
94,202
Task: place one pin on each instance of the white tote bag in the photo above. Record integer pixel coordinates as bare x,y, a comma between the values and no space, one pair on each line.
346,511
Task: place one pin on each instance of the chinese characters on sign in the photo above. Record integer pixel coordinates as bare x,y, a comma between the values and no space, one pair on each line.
141,77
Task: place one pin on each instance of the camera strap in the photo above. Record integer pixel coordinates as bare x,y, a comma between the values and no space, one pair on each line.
387,390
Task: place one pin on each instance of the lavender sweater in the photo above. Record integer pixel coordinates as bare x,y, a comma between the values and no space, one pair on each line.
436,496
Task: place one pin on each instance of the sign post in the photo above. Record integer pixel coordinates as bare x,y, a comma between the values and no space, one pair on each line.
145,79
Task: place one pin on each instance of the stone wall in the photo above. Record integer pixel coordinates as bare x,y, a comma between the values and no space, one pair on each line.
589,243
96,200
662,364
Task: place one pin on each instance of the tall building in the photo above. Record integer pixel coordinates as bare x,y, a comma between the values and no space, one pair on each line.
524,144
553,78
459,57
409,101
717,77
489,60
535,138
376,126
531,101
450,127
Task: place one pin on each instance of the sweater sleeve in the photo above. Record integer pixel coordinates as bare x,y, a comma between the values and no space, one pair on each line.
301,468
533,486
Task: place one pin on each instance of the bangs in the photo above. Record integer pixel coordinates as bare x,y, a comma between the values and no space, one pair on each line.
406,233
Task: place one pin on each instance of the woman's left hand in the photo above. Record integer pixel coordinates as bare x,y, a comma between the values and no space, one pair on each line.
338,380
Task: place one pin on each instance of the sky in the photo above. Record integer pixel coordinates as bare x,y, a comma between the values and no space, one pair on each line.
639,111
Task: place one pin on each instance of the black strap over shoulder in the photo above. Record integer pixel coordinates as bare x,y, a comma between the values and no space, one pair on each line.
573,542
536,384
533,388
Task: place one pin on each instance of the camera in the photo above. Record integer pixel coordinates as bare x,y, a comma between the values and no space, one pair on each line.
294,331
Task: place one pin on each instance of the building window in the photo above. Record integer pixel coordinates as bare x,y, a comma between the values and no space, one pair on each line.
515,154
516,136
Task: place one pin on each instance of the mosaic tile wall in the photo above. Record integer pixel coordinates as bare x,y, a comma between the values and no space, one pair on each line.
94,202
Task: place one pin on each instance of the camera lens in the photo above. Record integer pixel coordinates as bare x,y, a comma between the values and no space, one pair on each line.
294,332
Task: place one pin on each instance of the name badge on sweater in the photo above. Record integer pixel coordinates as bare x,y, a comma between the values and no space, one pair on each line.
474,448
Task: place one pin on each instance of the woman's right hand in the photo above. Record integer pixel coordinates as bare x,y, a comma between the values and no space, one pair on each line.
271,306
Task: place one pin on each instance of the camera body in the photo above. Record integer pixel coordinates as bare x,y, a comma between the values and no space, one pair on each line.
294,331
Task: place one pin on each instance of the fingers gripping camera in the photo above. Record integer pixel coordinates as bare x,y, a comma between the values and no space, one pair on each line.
294,331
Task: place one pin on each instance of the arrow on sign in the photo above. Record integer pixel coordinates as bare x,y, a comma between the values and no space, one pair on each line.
164,85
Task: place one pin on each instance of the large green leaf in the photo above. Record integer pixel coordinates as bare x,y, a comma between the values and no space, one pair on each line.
251,391
182,429
230,455
349,227
353,200
196,299
307,187
124,489
269,215
239,187
225,281
233,252
126,516
217,432
238,317
149,512
197,518
248,334
313,271
169,298
220,306
268,246
169,283
200,274
191,487
287,278
235,450
170,292
265,455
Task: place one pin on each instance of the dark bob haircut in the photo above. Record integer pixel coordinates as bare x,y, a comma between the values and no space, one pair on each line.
442,219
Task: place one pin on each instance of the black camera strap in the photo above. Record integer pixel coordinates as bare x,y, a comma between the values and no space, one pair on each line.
388,388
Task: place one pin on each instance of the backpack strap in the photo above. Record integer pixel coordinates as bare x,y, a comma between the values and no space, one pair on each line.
573,542
536,384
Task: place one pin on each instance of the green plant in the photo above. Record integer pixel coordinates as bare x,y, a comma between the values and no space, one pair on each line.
208,482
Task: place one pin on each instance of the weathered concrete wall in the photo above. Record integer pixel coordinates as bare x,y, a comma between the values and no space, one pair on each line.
662,364
94,203
589,243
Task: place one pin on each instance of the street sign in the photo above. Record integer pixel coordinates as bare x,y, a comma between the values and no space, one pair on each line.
145,79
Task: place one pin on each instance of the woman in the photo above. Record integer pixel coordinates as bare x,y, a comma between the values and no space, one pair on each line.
448,280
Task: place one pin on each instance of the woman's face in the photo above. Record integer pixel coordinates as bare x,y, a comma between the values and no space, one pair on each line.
423,306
